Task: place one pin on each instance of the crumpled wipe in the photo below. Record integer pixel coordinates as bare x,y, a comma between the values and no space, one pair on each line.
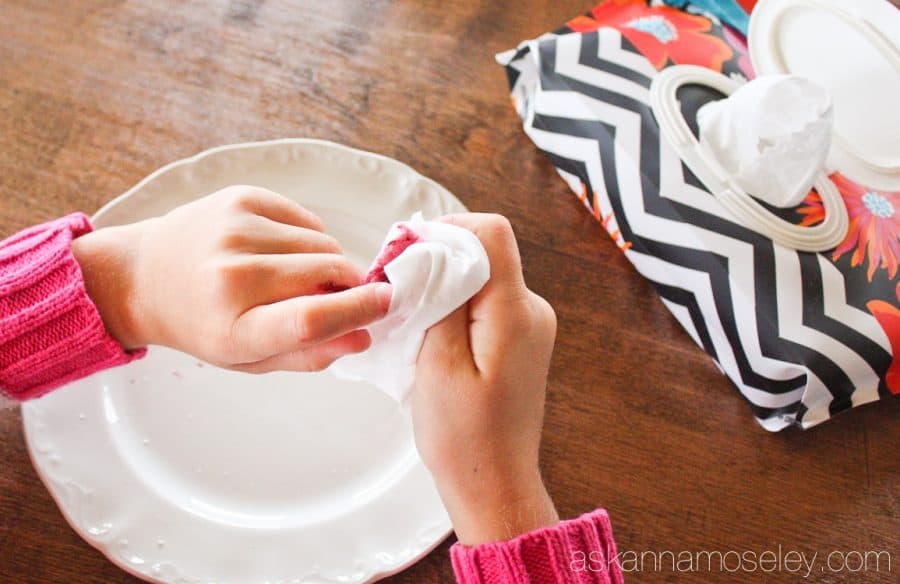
771,135
434,268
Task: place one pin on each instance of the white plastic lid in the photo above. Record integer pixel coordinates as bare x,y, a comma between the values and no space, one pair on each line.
849,48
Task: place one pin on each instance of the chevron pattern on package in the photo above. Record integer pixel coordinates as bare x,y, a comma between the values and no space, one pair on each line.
790,329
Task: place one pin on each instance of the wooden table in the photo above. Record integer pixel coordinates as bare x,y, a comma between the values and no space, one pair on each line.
95,94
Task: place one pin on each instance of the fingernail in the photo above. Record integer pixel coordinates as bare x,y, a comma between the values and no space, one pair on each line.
384,292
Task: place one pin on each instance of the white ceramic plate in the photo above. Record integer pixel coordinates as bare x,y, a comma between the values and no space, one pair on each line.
182,472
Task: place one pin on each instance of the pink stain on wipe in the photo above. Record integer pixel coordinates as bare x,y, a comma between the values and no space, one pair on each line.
389,253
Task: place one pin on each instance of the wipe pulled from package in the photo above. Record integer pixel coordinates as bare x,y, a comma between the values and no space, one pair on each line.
434,268
771,136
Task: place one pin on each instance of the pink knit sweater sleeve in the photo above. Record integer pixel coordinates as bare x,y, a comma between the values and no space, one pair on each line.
50,330
578,551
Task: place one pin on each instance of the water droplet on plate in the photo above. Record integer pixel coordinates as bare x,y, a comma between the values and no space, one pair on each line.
102,530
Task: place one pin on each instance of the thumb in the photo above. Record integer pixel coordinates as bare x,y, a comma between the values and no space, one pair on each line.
446,343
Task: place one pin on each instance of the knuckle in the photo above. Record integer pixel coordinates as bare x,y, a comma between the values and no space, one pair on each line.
306,325
230,274
544,312
342,270
338,265
227,342
232,194
497,225
331,244
225,194
214,275
245,198
226,281
312,220
365,304
242,201
518,319
320,363
532,317
233,236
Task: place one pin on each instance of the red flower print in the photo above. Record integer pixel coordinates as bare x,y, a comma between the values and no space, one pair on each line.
813,210
874,232
874,235
660,33
888,317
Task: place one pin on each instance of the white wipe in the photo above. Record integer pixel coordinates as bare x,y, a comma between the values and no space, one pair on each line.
772,136
430,279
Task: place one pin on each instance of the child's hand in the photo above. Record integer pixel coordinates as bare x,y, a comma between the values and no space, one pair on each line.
478,403
243,278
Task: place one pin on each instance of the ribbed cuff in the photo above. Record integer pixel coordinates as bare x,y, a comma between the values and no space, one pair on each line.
51,332
579,550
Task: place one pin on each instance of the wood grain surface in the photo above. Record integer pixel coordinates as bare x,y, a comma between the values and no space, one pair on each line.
96,94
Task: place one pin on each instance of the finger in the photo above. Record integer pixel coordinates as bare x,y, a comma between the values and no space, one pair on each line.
271,237
500,311
276,207
496,235
313,359
446,344
305,321
269,278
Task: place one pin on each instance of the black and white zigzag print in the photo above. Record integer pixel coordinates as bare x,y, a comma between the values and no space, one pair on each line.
777,322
